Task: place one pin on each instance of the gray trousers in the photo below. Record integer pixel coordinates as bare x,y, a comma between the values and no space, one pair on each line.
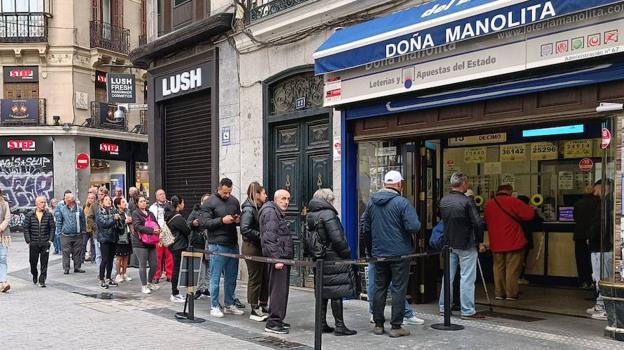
71,245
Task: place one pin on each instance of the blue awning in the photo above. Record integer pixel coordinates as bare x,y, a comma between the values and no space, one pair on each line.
435,24
579,77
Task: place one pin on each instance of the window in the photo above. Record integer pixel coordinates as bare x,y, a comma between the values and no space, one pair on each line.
176,14
179,2
25,6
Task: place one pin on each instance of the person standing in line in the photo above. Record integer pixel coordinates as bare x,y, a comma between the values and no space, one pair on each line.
198,241
123,248
133,197
95,207
89,237
223,216
163,254
56,240
181,232
5,241
277,242
390,224
71,225
584,216
504,216
106,220
145,252
258,284
463,232
38,233
601,244
338,280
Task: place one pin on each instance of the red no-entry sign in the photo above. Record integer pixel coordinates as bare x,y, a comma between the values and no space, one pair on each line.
82,161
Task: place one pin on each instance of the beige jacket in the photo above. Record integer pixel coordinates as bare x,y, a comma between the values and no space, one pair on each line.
5,216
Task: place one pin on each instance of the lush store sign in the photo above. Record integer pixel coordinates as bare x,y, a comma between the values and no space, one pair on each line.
578,36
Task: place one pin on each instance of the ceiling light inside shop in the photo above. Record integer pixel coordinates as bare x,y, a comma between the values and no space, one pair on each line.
560,130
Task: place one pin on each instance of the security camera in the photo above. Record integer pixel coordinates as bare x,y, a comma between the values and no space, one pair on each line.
66,127
120,113
610,107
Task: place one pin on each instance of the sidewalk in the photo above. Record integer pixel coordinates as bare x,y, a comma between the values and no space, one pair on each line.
71,313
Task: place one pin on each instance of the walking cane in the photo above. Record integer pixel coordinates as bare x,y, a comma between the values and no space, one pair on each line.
487,295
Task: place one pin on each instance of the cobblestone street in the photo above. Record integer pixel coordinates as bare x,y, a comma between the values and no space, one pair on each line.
71,314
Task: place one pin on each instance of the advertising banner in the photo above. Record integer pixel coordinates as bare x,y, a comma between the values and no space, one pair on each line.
107,117
121,88
19,111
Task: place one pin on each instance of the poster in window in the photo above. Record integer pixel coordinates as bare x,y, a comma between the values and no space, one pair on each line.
492,168
566,180
475,155
577,149
512,153
544,151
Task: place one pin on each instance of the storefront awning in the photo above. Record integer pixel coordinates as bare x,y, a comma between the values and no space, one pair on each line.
579,77
434,24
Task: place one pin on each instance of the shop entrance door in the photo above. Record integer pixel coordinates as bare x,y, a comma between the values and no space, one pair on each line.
300,161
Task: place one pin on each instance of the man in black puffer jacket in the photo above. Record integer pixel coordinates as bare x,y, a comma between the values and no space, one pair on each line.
277,243
39,231
338,280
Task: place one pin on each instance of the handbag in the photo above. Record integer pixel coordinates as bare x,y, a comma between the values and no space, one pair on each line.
313,246
166,237
146,238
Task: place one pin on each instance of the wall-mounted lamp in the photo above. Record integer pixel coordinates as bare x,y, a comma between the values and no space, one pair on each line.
66,127
56,119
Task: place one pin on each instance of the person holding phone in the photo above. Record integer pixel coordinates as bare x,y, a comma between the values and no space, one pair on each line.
106,220
223,215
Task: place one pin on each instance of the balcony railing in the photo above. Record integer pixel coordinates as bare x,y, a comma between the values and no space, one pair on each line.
260,9
103,117
23,27
23,112
107,36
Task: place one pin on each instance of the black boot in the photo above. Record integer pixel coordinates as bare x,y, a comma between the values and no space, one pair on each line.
341,329
326,327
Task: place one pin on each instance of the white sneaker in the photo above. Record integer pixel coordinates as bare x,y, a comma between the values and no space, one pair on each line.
233,310
595,310
127,278
119,278
176,299
153,286
371,319
146,290
413,320
600,316
215,311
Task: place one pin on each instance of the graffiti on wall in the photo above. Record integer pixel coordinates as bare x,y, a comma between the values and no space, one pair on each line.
22,180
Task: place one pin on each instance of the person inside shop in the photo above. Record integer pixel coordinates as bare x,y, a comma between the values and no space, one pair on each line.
584,215
389,224
39,233
504,216
528,227
463,232
601,244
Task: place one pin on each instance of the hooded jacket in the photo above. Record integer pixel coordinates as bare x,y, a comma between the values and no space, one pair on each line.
338,280
389,224
249,226
277,241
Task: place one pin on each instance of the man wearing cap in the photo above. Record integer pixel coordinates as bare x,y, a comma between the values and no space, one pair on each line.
389,224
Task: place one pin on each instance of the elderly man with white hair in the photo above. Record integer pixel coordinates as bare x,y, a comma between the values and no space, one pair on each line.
39,233
71,225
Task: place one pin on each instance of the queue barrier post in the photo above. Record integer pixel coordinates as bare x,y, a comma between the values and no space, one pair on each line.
318,308
447,326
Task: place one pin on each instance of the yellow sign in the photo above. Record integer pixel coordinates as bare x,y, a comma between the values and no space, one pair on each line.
492,168
510,153
544,151
475,154
537,200
577,149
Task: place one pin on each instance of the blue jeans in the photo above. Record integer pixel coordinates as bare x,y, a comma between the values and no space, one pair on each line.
467,262
57,244
226,266
98,253
370,291
4,251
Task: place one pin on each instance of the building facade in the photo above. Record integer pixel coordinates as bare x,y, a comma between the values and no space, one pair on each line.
55,56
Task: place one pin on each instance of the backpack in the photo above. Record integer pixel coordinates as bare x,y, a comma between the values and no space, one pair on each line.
436,241
313,246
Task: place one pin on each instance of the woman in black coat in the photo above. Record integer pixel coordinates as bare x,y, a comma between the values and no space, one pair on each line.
338,280
106,219
181,231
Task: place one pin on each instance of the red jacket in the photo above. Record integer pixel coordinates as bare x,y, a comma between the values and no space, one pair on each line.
505,233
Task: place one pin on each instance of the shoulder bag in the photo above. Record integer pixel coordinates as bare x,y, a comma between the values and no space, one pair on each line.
166,237
146,238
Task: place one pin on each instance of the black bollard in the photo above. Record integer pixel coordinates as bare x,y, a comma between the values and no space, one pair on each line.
318,315
447,326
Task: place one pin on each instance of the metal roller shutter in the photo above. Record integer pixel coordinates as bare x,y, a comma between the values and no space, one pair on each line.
188,151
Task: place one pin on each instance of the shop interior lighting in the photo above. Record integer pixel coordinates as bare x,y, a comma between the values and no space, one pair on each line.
559,130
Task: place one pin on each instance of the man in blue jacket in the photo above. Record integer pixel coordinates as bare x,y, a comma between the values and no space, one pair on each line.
70,225
389,224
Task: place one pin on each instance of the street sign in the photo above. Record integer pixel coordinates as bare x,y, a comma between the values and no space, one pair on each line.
606,138
82,161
